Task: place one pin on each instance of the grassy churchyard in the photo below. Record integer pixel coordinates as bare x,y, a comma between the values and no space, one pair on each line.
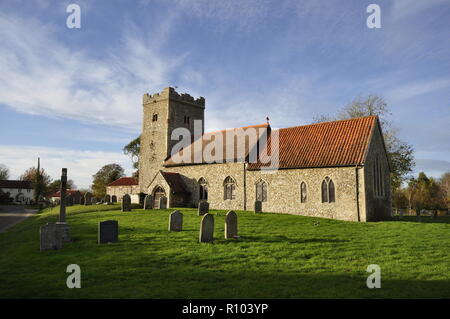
277,256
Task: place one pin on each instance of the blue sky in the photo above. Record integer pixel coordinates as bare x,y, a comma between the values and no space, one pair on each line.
73,96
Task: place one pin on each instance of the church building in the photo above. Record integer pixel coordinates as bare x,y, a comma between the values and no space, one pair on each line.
336,169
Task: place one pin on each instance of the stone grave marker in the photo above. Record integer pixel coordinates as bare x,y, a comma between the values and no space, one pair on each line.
258,206
206,229
108,232
69,200
148,202
51,238
87,199
163,202
126,203
203,208
231,225
176,221
107,199
64,231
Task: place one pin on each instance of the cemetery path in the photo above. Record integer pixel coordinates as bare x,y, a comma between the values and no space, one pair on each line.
11,215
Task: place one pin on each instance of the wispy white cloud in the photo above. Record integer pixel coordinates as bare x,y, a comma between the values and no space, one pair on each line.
416,88
40,75
402,9
81,164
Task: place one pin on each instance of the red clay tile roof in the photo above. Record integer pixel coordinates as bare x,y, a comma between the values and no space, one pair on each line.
124,181
15,184
58,193
328,144
197,147
175,182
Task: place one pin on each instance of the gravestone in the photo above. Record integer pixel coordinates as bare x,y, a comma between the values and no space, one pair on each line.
148,202
231,225
51,238
206,229
176,221
87,199
126,203
64,231
163,202
203,208
76,198
108,232
82,200
258,206
401,214
107,199
114,199
69,200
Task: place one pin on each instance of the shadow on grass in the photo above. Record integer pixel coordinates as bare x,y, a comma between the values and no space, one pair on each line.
284,239
424,219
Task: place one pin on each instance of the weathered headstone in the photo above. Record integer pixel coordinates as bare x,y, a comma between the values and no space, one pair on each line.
203,208
62,228
50,237
64,231
76,198
62,194
69,200
108,232
163,202
206,229
126,203
176,221
148,202
231,225
107,199
258,206
88,199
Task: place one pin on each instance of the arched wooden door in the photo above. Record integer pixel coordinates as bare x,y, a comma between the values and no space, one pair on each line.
157,194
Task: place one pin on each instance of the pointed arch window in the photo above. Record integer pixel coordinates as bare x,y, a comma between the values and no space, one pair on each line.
203,189
303,193
155,117
328,191
261,191
378,186
229,186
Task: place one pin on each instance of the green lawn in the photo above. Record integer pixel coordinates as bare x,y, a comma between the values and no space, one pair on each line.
278,256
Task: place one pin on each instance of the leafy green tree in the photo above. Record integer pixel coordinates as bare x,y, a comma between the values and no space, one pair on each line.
444,182
132,149
426,193
55,186
4,172
400,153
107,174
39,182
400,198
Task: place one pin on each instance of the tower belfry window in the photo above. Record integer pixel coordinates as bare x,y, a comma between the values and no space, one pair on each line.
155,117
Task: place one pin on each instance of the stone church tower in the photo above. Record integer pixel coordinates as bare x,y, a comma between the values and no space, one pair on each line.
164,112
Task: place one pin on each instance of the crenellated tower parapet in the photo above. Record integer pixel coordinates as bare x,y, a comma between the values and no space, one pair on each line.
172,94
